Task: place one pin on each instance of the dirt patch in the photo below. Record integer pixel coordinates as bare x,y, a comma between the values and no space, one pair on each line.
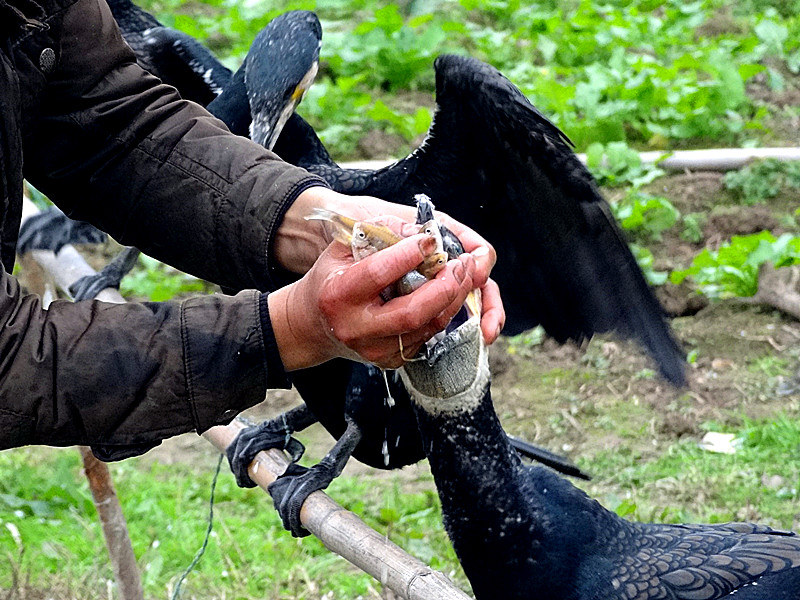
695,192
680,300
610,394
722,22
726,221
377,144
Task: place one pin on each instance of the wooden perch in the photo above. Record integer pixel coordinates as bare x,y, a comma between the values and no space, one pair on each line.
778,288
115,529
712,159
65,268
340,530
348,536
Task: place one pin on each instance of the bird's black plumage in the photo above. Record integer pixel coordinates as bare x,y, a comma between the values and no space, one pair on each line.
280,66
51,230
526,533
171,55
492,161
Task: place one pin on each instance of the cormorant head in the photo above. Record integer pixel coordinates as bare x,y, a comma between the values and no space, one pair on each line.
452,373
279,68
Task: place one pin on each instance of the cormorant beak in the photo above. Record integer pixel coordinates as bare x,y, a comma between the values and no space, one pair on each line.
473,304
454,375
293,100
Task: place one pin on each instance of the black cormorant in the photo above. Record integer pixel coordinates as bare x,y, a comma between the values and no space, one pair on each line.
526,533
492,161
51,230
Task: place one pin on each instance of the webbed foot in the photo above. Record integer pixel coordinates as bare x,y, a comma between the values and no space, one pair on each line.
274,433
89,286
291,489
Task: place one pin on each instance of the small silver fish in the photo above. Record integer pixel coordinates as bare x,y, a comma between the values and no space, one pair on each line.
451,245
368,238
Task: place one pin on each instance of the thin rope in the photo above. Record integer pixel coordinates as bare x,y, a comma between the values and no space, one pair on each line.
177,592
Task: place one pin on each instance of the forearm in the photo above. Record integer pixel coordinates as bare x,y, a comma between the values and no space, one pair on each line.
114,147
123,377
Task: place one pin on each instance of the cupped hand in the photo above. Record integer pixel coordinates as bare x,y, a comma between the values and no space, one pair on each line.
300,242
336,310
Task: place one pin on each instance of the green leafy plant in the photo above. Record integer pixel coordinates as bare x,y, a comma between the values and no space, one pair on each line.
732,270
645,259
693,227
617,163
763,180
407,125
156,281
645,215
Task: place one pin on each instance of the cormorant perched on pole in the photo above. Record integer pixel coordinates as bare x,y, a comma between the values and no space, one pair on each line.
525,533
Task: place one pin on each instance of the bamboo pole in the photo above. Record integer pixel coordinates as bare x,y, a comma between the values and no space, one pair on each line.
65,268
340,530
712,159
345,534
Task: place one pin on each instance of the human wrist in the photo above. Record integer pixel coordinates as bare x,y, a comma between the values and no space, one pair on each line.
298,242
295,339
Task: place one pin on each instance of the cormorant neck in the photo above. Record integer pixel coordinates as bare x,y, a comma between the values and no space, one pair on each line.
232,106
468,450
493,521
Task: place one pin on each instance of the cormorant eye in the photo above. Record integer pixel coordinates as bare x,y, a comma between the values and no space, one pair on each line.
362,235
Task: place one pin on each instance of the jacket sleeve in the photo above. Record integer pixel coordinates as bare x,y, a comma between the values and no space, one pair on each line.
115,147
122,377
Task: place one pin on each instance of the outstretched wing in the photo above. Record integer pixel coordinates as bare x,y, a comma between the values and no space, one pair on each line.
494,162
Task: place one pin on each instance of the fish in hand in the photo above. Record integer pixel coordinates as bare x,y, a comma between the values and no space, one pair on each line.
365,238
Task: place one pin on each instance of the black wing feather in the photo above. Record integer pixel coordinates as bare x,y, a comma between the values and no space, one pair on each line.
171,55
495,163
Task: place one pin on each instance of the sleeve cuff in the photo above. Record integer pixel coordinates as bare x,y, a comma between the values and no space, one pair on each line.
277,378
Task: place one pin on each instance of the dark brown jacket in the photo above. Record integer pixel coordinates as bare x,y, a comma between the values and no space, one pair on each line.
111,145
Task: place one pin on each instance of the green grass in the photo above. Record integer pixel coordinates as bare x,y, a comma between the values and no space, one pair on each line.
618,77
651,73
44,498
687,484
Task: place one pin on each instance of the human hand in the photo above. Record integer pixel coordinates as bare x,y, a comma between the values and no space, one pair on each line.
300,242
336,310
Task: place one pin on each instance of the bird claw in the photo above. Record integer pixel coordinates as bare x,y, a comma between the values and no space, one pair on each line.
252,440
290,490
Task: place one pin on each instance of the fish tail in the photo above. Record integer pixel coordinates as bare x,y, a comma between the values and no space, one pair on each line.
342,227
